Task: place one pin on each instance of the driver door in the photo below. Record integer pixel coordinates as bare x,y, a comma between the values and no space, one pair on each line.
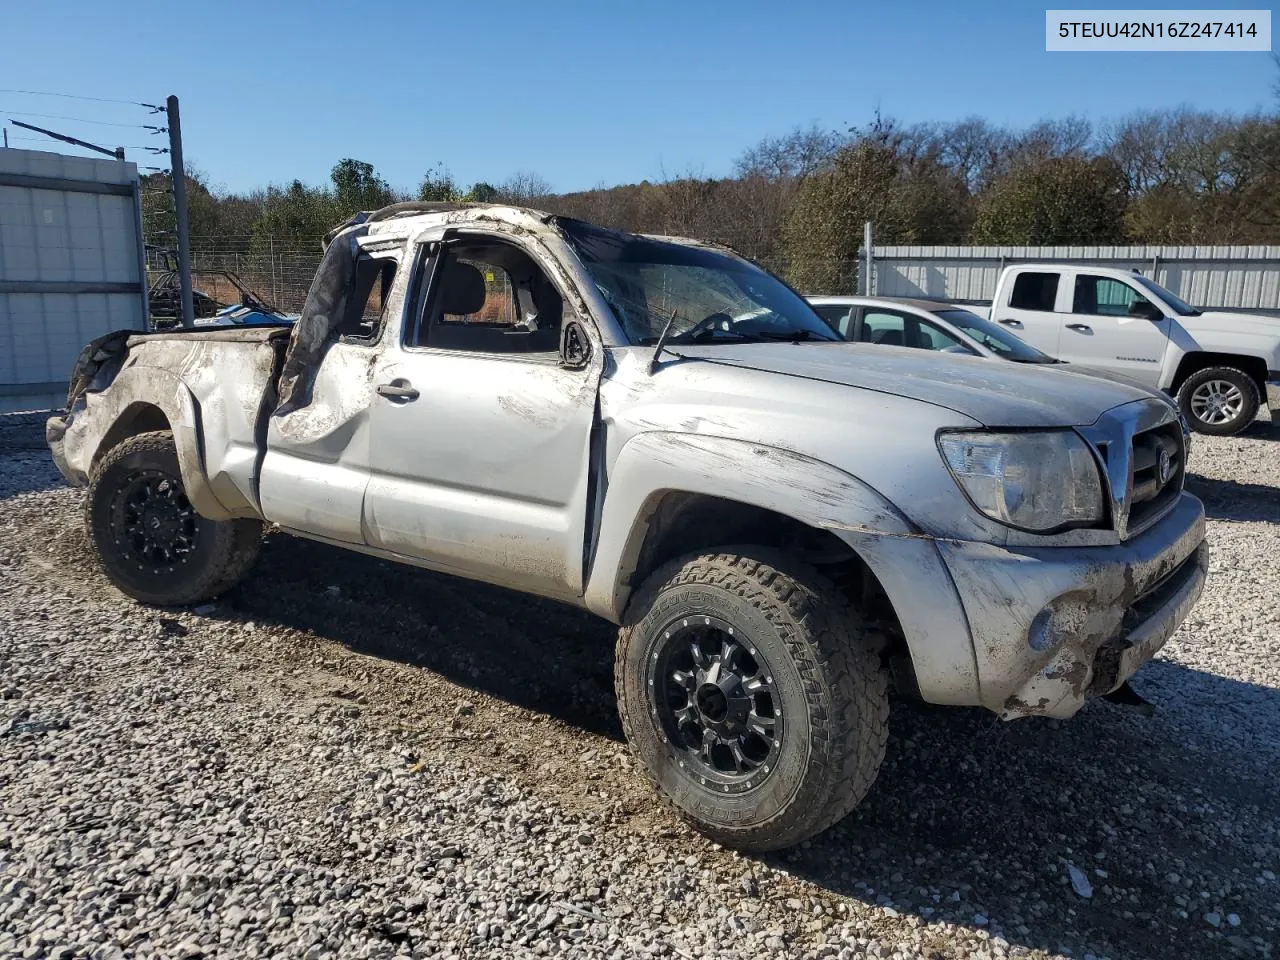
480,436
1107,332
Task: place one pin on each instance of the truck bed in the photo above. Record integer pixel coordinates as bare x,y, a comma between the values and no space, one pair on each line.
214,388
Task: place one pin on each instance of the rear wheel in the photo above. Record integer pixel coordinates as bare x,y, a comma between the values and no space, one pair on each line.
748,693
1220,401
150,541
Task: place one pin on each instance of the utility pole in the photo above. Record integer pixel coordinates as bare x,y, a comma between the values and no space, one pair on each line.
178,177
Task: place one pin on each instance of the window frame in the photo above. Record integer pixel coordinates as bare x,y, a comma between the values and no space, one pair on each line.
875,308
1057,290
425,288
956,341
910,317
849,316
1095,277
394,255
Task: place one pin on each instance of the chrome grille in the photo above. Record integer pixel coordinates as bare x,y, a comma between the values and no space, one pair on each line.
1158,465
1143,452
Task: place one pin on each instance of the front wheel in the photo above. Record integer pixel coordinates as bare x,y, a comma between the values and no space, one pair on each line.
1219,401
750,696
150,541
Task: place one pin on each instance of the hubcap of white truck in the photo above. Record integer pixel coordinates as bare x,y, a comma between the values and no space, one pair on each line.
1217,402
153,521
715,702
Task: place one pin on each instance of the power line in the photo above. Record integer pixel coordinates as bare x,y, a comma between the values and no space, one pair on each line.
77,96
126,146
61,116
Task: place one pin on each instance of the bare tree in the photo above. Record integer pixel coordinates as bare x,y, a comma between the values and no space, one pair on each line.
524,188
795,155
973,149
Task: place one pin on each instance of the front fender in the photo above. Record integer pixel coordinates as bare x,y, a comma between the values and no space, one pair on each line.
906,561
100,414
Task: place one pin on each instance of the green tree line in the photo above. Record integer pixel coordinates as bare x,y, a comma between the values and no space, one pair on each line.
798,201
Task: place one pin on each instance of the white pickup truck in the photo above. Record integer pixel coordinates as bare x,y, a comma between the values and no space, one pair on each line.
660,432
1220,366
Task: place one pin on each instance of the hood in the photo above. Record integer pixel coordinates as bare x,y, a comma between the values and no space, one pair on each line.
1224,321
994,394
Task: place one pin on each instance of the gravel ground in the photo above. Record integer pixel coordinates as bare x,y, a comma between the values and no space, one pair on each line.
345,758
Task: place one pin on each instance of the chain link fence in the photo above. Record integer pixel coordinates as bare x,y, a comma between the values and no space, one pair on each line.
279,273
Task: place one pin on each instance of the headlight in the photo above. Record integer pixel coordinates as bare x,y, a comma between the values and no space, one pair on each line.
1036,481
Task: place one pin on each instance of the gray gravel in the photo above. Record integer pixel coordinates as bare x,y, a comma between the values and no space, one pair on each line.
344,758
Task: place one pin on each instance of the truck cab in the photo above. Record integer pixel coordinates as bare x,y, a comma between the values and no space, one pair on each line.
1221,366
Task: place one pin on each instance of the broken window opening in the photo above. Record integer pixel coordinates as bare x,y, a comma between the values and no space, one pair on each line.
489,296
365,313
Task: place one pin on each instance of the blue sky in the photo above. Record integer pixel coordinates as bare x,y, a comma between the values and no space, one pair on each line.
580,93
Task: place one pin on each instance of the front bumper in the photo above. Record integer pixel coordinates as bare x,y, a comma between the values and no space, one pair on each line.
1054,626
1273,396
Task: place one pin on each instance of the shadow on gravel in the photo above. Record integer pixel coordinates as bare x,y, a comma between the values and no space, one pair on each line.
1262,430
25,463
1229,500
979,819
970,818
537,654
27,473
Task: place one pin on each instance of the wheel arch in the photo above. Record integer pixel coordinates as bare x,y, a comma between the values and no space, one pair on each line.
141,416
1195,361
676,494
142,399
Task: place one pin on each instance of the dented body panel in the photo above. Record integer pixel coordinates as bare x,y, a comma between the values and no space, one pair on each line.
550,477
1103,611
213,389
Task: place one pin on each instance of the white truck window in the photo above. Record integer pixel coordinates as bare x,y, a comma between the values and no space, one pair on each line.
1104,297
1034,291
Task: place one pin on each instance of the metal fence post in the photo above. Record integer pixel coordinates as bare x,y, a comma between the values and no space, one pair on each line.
868,237
275,285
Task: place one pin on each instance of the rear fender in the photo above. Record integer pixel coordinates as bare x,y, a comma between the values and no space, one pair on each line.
101,419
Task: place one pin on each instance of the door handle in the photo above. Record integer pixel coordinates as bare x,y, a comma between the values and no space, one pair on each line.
398,390
1012,323
1080,327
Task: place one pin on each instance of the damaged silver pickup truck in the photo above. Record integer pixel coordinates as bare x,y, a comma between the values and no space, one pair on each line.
659,431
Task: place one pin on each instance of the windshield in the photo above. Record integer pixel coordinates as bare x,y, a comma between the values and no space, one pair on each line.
994,337
1178,307
706,295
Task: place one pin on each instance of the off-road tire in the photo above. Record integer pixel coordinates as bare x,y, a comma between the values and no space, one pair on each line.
223,552
1237,378
833,688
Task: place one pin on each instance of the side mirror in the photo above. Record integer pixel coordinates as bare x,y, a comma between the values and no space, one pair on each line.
575,346
1145,309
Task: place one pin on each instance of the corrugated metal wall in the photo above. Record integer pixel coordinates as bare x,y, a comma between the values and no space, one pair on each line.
71,267
1225,277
